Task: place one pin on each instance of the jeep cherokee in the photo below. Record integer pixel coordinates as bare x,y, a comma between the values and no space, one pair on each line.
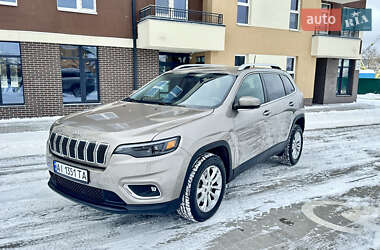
175,143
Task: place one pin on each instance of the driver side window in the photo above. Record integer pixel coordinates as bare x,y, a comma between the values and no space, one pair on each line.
251,86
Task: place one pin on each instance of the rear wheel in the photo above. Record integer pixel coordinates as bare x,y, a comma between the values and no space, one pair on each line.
294,146
204,189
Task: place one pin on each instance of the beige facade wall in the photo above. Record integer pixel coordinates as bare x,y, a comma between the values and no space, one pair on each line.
266,41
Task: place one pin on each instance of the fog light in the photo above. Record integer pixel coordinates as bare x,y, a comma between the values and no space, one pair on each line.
145,191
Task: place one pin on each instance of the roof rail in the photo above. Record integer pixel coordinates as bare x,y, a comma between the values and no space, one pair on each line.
184,66
257,65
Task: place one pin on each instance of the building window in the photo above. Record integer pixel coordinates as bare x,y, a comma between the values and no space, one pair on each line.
12,88
79,68
294,14
200,60
324,28
291,66
239,60
8,2
243,11
345,77
82,6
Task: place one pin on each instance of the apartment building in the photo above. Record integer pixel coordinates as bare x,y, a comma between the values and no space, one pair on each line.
62,56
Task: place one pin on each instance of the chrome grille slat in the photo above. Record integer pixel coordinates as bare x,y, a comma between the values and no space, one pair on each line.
74,148
95,153
85,151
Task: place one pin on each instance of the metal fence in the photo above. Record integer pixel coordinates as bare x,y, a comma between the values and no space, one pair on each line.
180,15
349,34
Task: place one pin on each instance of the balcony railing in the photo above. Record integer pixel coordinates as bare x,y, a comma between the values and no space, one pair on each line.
195,16
348,34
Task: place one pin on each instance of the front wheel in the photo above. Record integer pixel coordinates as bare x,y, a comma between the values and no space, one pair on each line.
294,146
204,188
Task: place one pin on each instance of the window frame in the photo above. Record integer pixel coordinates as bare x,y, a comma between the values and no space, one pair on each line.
9,3
297,12
22,80
292,72
341,67
79,8
247,4
82,61
328,5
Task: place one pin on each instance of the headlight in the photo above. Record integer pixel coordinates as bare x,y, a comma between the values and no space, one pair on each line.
149,149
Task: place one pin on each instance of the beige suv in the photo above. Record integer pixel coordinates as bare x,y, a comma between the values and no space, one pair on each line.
176,142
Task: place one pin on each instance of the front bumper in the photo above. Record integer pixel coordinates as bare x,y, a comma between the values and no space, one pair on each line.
105,200
106,190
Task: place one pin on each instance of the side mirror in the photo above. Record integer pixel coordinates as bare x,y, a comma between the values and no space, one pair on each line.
247,102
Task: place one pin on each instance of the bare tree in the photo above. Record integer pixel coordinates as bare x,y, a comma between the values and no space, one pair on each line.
371,58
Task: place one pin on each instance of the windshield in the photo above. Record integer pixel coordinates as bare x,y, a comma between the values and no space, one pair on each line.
206,90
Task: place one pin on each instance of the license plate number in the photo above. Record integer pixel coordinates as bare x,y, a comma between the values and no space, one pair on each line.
77,174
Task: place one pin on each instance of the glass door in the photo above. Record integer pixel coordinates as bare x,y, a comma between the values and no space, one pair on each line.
180,7
162,8
174,9
326,7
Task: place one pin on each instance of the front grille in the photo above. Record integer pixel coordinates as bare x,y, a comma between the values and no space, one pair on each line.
85,192
80,150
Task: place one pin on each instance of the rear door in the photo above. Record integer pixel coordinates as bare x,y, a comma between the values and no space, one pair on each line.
250,124
277,109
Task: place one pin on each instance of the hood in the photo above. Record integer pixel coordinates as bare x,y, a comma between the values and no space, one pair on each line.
126,120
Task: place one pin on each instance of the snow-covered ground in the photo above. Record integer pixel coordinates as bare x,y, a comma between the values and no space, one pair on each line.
263,207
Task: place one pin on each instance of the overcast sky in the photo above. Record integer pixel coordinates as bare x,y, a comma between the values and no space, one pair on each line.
370,36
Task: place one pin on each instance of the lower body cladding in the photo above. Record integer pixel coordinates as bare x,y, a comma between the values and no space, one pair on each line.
127,185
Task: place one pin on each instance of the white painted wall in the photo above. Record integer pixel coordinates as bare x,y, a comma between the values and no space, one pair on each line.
335,47
273,14
184,37
268,59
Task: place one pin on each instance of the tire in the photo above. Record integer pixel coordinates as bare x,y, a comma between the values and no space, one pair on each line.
192,206
295,142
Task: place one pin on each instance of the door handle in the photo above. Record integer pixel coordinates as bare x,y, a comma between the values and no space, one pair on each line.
266,113
291,104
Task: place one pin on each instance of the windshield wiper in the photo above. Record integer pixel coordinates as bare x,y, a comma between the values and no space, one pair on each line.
128,99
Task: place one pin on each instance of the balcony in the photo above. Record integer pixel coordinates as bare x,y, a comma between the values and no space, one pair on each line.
180,30
345,45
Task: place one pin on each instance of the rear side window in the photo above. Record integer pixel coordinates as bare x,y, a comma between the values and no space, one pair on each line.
289,88
274,86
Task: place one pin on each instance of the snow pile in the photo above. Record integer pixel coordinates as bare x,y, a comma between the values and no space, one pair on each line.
23,144
369,96
29,120
337,119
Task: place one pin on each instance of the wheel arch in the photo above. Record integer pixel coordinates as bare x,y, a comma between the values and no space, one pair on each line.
299,120
220,148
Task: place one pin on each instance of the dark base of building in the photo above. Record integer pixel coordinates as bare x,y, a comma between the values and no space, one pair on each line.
336,81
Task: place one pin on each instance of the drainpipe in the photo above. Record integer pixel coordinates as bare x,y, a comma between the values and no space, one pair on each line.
134,33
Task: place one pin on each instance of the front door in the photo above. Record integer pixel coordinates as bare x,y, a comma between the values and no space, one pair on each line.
250,124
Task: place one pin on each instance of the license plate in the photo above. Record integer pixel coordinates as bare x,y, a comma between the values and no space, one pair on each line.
77,174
